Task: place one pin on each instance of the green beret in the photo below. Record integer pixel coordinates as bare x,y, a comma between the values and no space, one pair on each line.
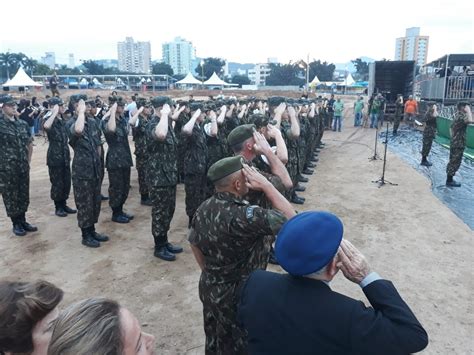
240,134
55,101
224,167
78,97
158,101
260,120
6,99
275,100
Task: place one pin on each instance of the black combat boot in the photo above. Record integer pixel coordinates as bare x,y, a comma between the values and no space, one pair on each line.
128,215
314,159
299,188
68,209
26,226
97,236
175,249
302,178
310,165
118,217
60,212
425,162
451,182
296,199
145,200
17,226
163,253
103,198
308,171
87,238
190,220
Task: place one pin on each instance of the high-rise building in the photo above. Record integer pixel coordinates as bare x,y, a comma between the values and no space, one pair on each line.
412,46
258,75
49,59
134,57
71,63
179,54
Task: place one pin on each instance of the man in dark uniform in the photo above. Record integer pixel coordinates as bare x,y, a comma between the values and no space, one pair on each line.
429,133
97,110
228,251
138,122
183,115
119,159
196,157
330,111
58,158
162,175
399,107
15,155
462,118
84,138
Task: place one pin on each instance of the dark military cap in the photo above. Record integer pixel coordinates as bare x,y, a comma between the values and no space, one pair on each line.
196,105
78,97
240,134
55,101
243,101
224,167
209,106
91,103
275,100
7,100
231,102
141,101
260,120
290,101
158,101
116,99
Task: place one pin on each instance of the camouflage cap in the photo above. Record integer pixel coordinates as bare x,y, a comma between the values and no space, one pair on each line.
224,167
142,101
91,103
116,99
275,100
196,105
240,134
6,99
55,101
209,106
78,97
260,120
158,101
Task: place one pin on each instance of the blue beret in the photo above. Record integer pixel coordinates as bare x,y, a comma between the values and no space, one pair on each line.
308,242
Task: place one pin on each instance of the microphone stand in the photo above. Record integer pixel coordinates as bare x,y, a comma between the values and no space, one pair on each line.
381,182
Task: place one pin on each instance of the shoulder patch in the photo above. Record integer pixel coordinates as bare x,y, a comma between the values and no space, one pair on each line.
250,212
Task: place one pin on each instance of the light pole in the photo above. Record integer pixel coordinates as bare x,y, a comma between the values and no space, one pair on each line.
307,75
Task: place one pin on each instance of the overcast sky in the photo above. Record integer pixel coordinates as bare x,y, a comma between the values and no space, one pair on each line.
240,31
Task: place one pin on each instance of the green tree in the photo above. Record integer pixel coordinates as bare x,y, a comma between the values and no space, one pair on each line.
64,70
284,74
30,65
94,68
42,69
362,69
241,80
211,65
323,70
162,69
10,62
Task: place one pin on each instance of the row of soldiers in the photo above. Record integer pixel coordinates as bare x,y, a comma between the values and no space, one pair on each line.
174,142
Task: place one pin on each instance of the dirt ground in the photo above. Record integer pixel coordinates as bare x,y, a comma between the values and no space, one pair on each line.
406,233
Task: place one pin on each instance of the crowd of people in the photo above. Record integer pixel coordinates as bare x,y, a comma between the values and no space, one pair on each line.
242,162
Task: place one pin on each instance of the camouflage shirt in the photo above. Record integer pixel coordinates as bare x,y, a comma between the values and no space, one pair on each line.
14,141
162,156
58,150
140,137
86,161
196,152
118,154
217,146
459,127
239,243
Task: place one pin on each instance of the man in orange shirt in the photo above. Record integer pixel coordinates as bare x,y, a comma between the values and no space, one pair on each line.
411,110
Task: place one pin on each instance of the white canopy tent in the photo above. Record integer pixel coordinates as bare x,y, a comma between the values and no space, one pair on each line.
349,81
214,80
188,80
21,79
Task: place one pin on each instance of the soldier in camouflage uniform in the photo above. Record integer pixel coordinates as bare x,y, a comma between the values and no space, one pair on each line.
58,158
196,158
91,110
118,160
162,175
84,138
462,118
138,122
183,116
16,148
429,133
228,251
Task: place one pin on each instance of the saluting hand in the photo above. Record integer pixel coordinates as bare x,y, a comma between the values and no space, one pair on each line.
81,106
291,111
165,110
273,131
352,263
261,145
253,179
55,110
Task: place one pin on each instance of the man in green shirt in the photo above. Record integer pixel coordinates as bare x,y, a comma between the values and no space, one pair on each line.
358,108
338,108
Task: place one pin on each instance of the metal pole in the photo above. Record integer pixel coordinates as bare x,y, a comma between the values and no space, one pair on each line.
445,77
307,75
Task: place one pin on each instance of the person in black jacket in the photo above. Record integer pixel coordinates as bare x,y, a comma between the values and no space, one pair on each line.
298,313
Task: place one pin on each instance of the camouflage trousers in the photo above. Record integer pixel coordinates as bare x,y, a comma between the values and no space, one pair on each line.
428,135
396,120
102,164
223,335
87,198
119,185
60,177
455,160
163,201
15,190
301,156
141,170
328,120
195,187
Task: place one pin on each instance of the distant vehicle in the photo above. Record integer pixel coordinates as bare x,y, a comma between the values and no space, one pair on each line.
71,83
